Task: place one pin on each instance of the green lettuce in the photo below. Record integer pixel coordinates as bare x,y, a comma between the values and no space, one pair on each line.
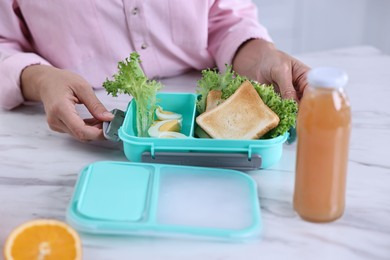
228,82
130,79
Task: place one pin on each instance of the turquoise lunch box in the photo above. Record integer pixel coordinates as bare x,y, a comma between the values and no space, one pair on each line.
159,193
222,153
160,200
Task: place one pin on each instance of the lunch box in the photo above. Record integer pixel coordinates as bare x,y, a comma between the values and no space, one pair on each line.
158,192
194,151
160,200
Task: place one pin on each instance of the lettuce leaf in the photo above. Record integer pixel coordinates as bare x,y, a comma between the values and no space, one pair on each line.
228,82
130,79
286,109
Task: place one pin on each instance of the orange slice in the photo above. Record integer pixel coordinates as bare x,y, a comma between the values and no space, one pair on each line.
44,239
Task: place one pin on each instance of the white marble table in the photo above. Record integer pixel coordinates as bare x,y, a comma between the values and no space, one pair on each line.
38,170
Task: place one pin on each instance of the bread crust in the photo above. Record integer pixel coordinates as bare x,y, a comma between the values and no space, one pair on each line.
214,98
243,115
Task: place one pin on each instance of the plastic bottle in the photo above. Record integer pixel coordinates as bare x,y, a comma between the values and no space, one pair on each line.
323,133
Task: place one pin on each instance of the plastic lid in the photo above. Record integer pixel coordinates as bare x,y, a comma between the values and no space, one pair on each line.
165,200
328,77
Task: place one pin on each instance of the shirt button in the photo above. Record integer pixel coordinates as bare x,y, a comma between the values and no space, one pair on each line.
135,11
144,46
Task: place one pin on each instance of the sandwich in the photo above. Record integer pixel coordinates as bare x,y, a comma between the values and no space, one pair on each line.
224,111
243,115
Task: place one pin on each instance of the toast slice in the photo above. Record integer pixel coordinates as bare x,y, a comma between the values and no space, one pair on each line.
213,99
243,115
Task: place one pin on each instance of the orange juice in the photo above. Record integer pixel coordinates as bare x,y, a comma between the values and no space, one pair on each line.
323,131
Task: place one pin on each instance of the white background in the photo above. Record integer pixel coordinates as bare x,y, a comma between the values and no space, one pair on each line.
298,26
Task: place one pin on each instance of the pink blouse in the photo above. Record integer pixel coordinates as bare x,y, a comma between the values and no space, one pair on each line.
89,37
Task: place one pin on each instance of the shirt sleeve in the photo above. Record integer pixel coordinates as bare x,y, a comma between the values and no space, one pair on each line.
15,54
231,23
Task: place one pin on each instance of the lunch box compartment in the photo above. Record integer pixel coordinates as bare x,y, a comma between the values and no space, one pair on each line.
181,103
137,148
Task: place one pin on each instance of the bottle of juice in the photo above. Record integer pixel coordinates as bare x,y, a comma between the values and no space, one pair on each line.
323,132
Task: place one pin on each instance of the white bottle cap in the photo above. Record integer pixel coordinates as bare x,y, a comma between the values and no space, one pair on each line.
328,77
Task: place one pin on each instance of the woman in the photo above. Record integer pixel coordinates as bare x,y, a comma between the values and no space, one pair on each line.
56,52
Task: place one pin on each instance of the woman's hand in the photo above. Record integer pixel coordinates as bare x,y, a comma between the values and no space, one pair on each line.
259,60
60,91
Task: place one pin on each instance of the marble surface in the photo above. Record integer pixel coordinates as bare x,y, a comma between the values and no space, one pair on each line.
38,170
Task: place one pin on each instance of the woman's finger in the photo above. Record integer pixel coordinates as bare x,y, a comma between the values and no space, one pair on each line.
299,72
87,97
281,76
78,128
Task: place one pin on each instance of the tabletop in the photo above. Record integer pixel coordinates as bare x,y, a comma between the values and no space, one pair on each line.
39,168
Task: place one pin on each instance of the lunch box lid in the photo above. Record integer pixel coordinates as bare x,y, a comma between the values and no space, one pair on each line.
126,198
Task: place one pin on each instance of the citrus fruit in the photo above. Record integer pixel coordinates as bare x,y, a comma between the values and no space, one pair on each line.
43,239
